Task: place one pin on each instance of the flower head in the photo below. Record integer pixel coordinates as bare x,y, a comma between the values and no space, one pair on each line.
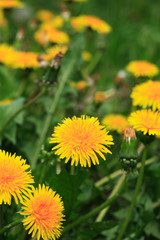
86,56
146,121
115,122
142,69
147,94
44,15
6,52
81,139
43,36
43,211
23,60
81,85
53,51
100,97
6,101
14,177
11,3
79,23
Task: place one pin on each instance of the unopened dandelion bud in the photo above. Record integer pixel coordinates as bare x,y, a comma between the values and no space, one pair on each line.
56,61
128,153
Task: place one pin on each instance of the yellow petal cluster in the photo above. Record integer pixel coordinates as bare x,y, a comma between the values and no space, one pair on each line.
142,69
115,122
15,178
43,210
147,94
81,139
145,121
81,22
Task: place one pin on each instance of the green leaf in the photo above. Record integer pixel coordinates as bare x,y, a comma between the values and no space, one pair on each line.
7,111
7,84
10,133
152,229
68,187
94,229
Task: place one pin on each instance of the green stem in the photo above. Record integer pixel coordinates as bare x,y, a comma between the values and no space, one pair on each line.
1,220
13,224
20,110
43,172
96,210
104,180
72,170
46,126
138,185
114,191
93,63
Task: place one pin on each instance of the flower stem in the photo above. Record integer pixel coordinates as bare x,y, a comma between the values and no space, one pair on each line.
1,220
104,180
114,191
72,169
138,185
10,225
46,126
96,210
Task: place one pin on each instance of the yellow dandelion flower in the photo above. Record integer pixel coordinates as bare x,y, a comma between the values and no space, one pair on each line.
43,211
11,3
115,122
81,139
86,56
142,69
79,23
44,15
81,85
100,97
6,52
146,121
43,36
53,51
55,22
6,101
147,94
23,60
15,180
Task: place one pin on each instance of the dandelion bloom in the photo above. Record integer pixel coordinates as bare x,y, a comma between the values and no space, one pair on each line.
6,52
81,139
53,51
43,211
23,60
6,101
115,122
55,22
44,15
44,36
147,94
81,85
142,69
146,121
15,180
100,97
11,3
79,23
86,56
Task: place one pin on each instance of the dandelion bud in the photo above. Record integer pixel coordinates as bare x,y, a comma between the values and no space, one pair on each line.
57,60
128,153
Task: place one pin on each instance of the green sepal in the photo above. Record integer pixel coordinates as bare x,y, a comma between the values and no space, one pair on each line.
145,138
